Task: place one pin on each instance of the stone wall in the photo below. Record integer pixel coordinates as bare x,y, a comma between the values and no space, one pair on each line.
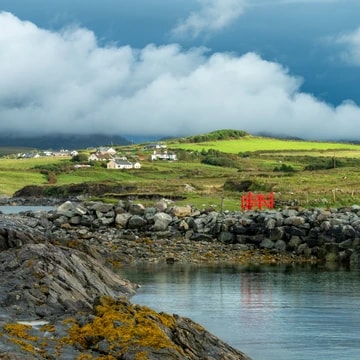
332,235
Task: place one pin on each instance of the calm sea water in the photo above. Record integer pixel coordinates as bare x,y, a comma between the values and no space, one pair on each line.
270,313
17,209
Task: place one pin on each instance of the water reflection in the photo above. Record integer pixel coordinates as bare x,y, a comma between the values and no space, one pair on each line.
286,312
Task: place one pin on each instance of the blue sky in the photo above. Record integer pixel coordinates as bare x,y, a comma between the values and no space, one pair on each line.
148,68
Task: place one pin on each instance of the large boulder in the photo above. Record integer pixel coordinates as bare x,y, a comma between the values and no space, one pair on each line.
18,231
41,280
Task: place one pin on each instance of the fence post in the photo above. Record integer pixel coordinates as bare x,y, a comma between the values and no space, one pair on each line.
260,201
271,203
250,201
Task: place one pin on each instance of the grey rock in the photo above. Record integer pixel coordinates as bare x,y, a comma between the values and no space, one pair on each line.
267,244
276,233
294,242
136,209
303,249
226,237
121,220
294,220
280,245
136,222
162,221
101,207
46,279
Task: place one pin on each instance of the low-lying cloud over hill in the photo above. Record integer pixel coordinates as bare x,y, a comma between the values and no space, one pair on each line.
65,82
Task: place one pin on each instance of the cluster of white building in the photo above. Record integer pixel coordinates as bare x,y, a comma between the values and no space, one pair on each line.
46,153
164,155
114,161
110,155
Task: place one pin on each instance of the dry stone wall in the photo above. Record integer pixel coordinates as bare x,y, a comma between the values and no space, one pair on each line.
329,235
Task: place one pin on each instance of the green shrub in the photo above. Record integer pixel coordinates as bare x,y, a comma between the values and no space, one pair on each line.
217,135
235,185
219,161
284,168
322,164
80,157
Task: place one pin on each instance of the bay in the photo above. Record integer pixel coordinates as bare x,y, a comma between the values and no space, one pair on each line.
272,313
15,209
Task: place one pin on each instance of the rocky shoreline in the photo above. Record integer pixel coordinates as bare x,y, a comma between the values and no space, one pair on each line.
54,269
59,301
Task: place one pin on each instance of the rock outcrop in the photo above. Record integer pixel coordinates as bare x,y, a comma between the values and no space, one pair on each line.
145,334
43,280
18,231
61,303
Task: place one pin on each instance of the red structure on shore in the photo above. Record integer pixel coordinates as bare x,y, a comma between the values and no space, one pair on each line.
252,201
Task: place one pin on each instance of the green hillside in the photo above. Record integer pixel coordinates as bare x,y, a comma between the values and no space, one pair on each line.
213,170
249,143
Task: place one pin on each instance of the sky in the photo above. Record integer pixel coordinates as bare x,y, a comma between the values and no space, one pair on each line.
182,67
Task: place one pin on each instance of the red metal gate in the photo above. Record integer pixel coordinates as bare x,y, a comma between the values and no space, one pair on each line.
252,201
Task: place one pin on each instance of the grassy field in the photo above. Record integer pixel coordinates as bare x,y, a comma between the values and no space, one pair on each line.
258,161
257,144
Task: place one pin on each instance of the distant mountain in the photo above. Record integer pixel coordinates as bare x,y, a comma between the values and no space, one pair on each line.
61,141
140,139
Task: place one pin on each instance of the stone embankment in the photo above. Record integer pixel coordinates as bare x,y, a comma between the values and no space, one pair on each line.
131,233
181,233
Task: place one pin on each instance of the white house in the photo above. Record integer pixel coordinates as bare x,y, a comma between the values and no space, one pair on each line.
99,157
106,150
122,164
163,156
154,146
29,156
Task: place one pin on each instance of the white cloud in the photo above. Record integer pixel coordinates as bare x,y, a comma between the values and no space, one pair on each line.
212,16
215,15
351,43
65,82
